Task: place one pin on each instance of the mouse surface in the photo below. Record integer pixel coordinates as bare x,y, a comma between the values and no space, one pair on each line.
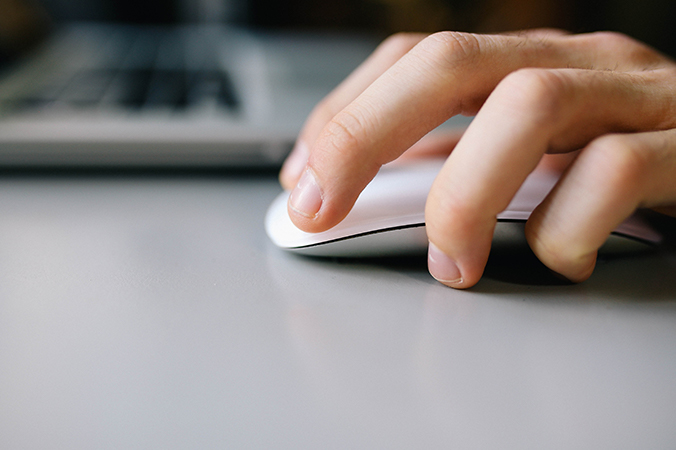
389,217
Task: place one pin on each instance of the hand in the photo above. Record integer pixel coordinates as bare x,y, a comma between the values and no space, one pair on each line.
533,93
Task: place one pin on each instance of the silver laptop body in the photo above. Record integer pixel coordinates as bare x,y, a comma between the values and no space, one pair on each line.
191,95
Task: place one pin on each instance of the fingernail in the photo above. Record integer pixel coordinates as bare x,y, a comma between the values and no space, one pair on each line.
297,160
442,268
306,198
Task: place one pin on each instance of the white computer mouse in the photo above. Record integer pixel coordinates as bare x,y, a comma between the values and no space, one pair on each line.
389,217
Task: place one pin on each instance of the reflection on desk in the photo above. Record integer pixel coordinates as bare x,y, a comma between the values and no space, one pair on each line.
152,312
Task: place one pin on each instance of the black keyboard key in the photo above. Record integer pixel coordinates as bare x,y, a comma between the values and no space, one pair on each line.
87,87
132,87
212,86
167,88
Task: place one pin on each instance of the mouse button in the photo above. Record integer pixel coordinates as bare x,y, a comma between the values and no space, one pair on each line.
636,227
395,197
278,225
386,209
511,216
282,231
397,242
532,192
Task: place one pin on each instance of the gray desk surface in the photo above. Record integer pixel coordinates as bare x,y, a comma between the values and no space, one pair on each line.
152,312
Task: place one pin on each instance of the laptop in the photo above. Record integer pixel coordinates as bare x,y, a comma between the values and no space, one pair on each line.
198,92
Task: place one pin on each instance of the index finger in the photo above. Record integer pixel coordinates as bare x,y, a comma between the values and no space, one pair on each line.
387,53
445,74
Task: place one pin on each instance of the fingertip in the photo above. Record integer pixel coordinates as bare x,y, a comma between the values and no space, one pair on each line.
573,273
580,270
442,267
446,270
460,241
307,206
307,198
561,256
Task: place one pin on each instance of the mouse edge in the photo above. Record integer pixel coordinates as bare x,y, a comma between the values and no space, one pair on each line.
406,240
283,233
411,240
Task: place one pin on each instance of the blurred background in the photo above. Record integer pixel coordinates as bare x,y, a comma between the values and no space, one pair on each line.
646,20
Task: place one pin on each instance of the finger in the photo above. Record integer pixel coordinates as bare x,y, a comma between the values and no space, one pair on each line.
434,145
532,111
444,75
387,53
557,162
613,176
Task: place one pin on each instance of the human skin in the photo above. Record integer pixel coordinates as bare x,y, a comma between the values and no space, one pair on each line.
604,98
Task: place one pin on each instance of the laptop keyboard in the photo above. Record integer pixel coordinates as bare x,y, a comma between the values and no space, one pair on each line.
143,69
137,89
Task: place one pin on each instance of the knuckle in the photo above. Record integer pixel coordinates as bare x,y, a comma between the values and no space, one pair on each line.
450,48
541,93
324,110
341,132
612,39
451,214
344,131
633,50
621,160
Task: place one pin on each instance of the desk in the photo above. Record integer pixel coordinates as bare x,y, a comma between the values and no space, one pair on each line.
150,311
